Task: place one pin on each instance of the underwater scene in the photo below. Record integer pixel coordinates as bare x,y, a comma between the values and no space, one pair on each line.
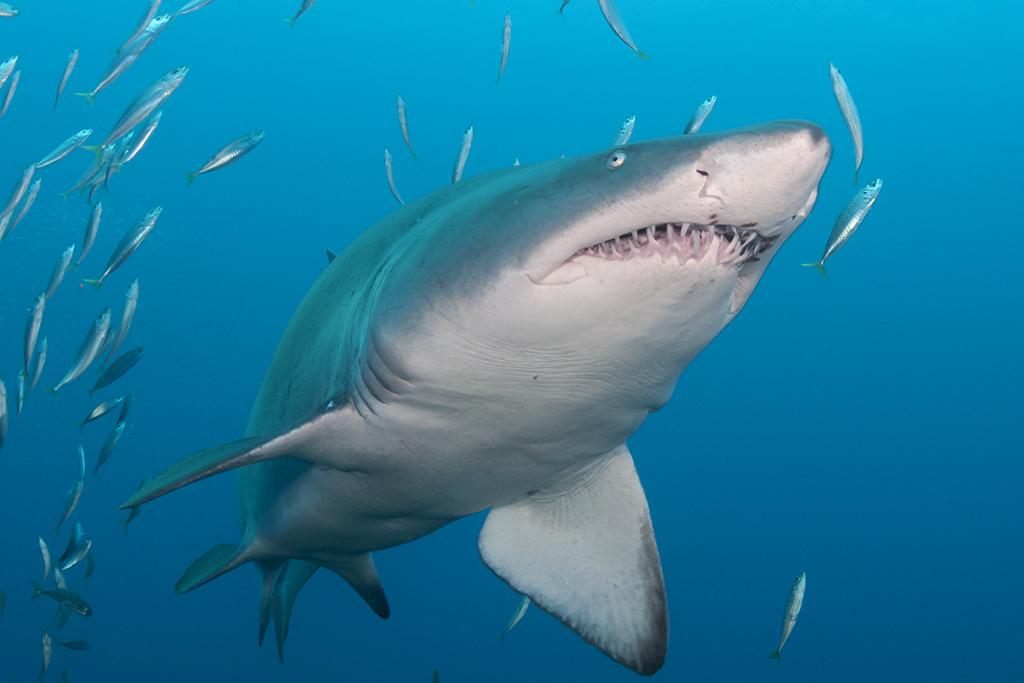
536,340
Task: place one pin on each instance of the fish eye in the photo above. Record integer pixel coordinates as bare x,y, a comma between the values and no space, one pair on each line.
616,159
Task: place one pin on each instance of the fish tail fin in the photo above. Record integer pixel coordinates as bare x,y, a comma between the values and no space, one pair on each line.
94,282
818,266
643,55
777,656
90,97
290,581
290,21
217,561
190,178
37,590
856,175
97,151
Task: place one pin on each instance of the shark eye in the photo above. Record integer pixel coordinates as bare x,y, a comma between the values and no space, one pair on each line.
616,159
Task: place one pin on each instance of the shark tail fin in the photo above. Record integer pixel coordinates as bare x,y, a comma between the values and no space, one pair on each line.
818,266
271,571
289,582
215,562
90,97
777,656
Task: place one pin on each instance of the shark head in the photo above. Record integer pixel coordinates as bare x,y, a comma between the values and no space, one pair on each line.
630,260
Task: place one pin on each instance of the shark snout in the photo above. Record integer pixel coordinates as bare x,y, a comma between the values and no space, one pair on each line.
767,174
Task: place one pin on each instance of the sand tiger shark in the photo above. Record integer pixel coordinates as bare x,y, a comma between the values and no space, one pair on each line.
492,346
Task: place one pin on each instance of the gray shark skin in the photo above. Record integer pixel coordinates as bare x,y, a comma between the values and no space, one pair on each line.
492,346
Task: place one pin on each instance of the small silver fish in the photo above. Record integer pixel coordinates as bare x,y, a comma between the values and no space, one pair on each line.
44,550
131,302
65,598
793,605
57,276
11,89
303,8
19,190
21,393
108,446
611,15
506,43
74,497
72,60
118,369
126,56
230,153
136,146
47,653
65,148
389,172
32,325
91,229
30,199
129,401
147,102
128,245
625,132
702,112
80,552
88,351
37,368
3,412
7,68
144,23
460,161
849,110
517,616
403,123
7,11
192,6
102,409
848,222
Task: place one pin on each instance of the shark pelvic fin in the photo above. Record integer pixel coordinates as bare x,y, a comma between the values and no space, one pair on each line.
289,582
215,562
586,554
359,572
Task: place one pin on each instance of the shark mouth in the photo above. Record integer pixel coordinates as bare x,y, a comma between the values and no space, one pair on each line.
733,245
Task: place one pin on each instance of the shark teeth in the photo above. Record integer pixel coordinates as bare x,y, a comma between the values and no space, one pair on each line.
731,244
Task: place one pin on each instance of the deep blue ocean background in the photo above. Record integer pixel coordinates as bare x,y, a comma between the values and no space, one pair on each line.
863,429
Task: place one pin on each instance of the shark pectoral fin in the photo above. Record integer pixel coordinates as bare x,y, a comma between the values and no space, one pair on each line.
587,555
315,441
359,572
215,562
291,580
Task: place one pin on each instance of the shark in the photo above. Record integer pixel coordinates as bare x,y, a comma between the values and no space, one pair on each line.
491,347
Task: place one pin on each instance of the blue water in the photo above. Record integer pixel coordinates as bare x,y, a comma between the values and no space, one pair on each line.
863,429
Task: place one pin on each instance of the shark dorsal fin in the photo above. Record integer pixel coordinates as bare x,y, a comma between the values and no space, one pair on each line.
587,555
